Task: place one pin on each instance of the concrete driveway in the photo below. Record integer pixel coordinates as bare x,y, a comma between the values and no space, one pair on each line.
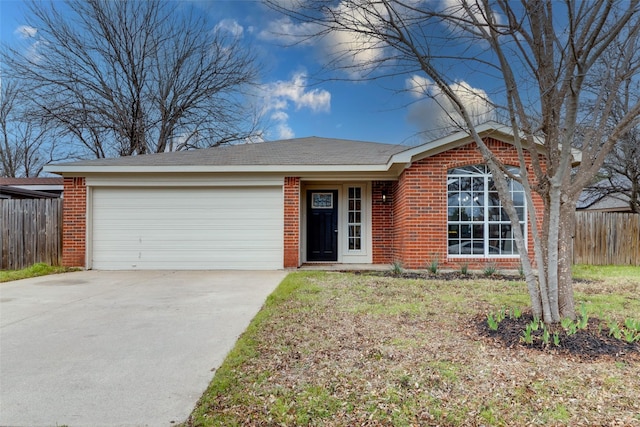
114,348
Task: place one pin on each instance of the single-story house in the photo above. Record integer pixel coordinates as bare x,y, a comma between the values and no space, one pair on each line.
31,188
282,204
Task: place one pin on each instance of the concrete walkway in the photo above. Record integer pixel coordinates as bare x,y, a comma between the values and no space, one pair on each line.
99,348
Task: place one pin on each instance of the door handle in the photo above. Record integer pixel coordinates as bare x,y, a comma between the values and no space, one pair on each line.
335,231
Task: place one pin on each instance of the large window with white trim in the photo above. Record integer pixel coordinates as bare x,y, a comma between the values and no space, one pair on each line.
477,223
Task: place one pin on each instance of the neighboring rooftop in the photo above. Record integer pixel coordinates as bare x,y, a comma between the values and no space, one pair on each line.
32,181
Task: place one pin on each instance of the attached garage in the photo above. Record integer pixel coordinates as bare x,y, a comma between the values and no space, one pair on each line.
185,228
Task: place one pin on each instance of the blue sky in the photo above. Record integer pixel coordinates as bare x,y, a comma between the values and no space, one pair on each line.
294,101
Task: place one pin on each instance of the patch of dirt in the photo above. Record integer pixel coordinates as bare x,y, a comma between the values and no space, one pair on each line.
591,343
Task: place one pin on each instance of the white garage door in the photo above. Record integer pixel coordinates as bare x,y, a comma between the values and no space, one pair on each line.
187,228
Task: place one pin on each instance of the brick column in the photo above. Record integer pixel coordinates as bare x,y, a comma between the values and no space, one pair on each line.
291,222
74,222
382,221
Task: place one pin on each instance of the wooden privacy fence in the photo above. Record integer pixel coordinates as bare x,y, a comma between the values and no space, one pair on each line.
31,232
604,238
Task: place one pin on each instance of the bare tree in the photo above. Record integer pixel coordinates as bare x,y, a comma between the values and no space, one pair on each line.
25,146
134,77
538,56
619,178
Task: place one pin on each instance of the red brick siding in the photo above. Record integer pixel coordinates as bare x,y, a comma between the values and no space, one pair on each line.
420,209
74,222
382,221
291,222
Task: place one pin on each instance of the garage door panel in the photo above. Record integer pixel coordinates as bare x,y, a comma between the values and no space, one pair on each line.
193,228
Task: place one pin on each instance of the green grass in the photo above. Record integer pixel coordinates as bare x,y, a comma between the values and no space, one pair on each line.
601,272
338,349
33,271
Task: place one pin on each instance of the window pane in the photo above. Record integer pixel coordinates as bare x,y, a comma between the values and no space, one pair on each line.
465,199
477,214
494,214
478,231
494,199
518,198
453,184
465,184
465,214
478,184
453,214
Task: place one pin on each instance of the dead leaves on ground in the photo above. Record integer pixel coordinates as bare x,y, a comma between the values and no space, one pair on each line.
372,351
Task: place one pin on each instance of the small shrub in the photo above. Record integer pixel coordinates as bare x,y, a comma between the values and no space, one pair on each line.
433,266
583,319
516,313
490,270
464,269
630,336
492,322
569,326
535,324
396,268
527,334
614,329
556,339
546,336
632,324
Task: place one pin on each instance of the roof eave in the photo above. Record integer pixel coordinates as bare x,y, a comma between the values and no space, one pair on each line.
79,169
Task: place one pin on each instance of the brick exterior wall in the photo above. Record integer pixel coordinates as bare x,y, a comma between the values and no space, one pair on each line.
74,222
419,213
291,222
410,227
382,221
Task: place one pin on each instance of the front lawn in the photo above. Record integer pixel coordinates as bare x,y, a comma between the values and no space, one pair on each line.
344,349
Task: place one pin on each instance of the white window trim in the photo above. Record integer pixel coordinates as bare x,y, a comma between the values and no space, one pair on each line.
525,223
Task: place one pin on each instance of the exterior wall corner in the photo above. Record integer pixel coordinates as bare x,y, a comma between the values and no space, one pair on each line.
74,222
291,222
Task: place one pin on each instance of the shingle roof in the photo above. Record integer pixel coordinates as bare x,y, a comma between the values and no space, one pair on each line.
299,151
32,181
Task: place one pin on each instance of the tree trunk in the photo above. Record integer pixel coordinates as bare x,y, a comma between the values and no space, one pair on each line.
566,302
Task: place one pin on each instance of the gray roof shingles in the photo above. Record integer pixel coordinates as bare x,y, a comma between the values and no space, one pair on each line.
299,151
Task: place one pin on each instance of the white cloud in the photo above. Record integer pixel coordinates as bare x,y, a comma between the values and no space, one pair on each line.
26,32
432,110
284,131
231,26
280,96
284,30
350,49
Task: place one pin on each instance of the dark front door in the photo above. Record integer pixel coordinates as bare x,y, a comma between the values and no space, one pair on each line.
322,225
